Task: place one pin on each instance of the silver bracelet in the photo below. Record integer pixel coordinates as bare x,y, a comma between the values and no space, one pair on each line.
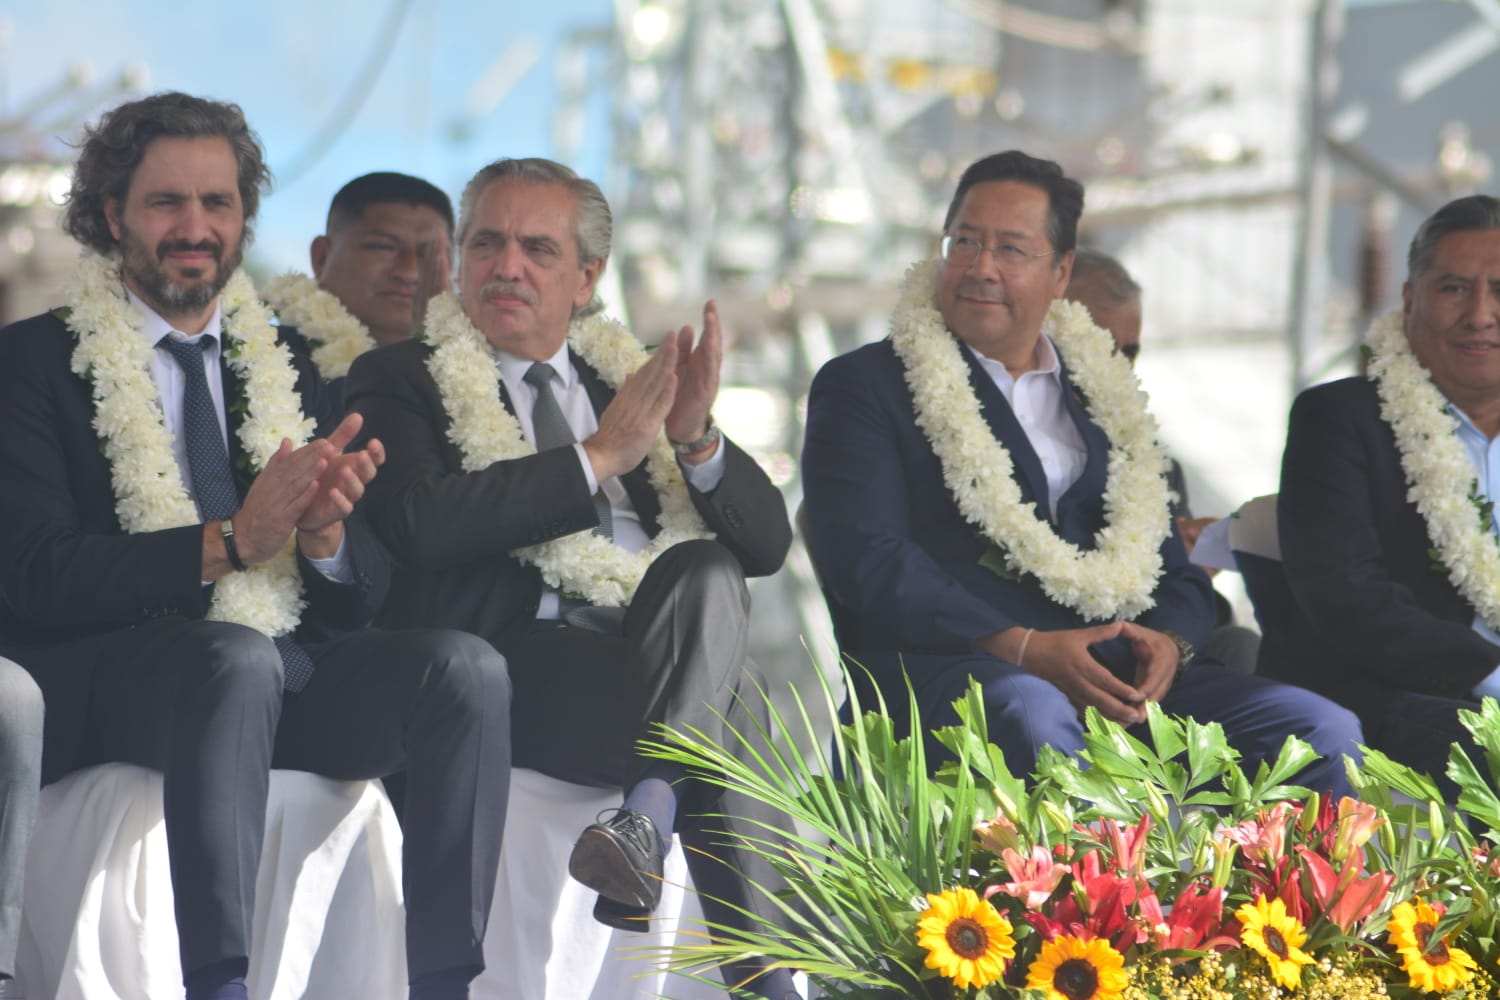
1021,653
710,438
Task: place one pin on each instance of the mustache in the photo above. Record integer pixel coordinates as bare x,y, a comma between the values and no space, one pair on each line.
513,289
980,290
186,246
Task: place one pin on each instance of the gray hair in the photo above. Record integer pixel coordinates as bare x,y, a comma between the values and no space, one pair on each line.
1477,211
1107,274
596,226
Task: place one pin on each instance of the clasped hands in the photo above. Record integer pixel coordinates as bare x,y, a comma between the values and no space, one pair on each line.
1063,658
309,490
674,390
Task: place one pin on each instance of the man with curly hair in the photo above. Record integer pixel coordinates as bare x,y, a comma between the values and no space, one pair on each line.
191,587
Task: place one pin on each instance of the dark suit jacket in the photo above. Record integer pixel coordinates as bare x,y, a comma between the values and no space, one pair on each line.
1375,614
452,532
66,568
901,566
333,389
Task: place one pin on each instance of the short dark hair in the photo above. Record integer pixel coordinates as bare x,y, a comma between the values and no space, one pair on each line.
1064,195
1477,211
1107,273
114,147
386,187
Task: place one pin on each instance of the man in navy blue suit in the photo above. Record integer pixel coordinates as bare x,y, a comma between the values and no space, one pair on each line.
985,499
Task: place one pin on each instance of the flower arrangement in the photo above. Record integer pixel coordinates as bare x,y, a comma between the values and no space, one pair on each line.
1152,868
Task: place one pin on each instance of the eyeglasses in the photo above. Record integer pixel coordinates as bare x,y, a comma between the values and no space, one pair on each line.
1009,258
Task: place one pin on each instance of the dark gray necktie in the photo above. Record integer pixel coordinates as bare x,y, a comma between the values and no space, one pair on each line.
213,477
550,430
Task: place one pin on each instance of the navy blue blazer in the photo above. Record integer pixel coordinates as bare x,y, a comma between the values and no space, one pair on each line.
901,567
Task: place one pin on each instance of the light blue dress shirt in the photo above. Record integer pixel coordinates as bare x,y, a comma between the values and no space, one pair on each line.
1485,456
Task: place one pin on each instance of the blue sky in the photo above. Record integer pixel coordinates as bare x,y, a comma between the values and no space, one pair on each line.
291,65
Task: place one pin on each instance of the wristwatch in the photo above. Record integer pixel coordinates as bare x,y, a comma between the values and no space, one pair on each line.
1185,650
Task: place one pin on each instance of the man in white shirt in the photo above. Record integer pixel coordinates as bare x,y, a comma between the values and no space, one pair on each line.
1386,513
551,489
985,501
186,575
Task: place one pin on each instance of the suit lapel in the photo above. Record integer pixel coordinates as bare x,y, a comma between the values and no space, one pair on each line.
235,406
1090,483
1008,431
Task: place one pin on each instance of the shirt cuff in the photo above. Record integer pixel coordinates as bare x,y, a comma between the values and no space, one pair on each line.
588,468
336,567
706,476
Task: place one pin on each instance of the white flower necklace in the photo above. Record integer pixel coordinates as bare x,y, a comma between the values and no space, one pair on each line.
115,356
337,338
1443,485
484,432
1118,576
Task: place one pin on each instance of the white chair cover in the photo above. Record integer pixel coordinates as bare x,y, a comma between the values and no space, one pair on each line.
98,922
543,942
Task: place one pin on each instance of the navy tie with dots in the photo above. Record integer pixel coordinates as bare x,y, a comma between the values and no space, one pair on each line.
551,430
213,477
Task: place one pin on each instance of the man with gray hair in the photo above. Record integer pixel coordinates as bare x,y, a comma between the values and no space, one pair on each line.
1386,510
551,489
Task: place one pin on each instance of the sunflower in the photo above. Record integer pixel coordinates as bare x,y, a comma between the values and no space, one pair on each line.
1430,963
1277,936
1070,968
966,938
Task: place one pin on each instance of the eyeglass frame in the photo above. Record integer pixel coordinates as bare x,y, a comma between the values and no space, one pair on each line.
1010,263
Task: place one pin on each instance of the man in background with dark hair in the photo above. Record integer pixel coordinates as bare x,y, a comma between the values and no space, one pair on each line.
986,500
190,583
1386,511
385,251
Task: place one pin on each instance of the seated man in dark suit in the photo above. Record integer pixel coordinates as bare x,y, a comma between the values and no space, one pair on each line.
551,489
185,574
383,254
1101,285
986,499
1388,536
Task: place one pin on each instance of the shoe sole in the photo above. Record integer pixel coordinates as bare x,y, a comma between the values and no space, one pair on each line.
599,863
636,920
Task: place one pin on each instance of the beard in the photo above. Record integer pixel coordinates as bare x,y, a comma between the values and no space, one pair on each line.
176,297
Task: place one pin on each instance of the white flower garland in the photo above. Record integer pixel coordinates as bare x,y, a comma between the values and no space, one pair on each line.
1118,576
484,432
115,356
336,336
1438,470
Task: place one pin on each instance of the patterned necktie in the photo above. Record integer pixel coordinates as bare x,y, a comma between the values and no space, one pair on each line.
551,430
213,477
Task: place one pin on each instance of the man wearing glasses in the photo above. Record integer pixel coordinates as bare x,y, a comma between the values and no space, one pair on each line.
985,499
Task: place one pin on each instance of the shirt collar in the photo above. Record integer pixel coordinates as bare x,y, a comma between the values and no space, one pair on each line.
514,369
154,327
1047,363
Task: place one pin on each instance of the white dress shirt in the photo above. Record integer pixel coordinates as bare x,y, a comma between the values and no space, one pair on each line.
578,410
171,383
1037,400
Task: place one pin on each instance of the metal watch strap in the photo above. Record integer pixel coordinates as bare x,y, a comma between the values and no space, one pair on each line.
710,438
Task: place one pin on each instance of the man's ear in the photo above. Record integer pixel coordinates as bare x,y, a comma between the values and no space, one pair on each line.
318,254
112,217
592,272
